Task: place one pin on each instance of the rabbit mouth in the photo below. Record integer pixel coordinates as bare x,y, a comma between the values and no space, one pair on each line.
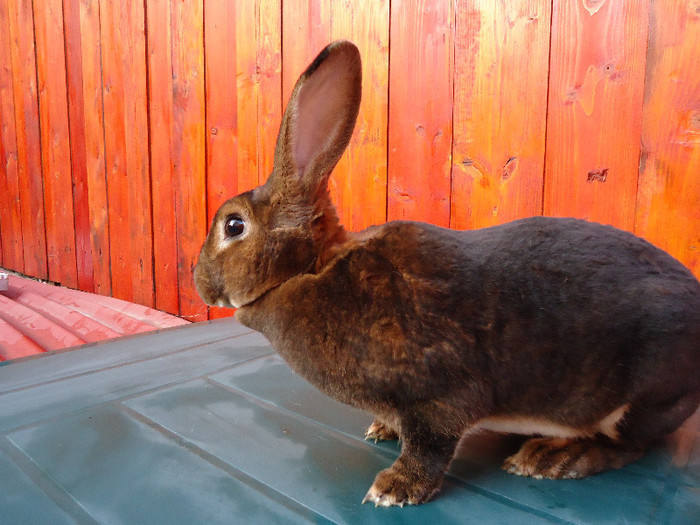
224,302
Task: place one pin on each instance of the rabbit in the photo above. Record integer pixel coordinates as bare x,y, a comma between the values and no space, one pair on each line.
582,335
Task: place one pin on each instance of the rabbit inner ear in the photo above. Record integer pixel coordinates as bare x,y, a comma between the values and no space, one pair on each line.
326,109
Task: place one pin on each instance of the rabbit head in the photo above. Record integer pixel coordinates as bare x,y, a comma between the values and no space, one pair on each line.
263,237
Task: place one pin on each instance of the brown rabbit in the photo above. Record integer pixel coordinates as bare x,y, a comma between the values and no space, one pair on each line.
581,333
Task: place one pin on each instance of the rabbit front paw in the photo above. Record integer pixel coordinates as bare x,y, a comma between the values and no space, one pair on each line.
393,487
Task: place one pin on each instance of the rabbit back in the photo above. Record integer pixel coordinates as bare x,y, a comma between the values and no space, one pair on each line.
532,317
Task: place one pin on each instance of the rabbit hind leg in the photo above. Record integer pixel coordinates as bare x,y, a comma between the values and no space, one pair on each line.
570,458
626,440
650,419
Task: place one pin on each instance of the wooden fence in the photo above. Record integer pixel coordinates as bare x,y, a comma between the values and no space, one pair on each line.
126,124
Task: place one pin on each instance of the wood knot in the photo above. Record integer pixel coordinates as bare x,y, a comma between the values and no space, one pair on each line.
509,168
598,175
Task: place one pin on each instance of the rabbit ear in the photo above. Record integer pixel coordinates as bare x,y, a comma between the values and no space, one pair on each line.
319,119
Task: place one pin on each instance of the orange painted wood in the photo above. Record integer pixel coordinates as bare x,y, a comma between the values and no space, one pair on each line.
189,159
126,150
26,122
11,252
55,142
668,203
92,123
160,109
420,111
255,103
269,83
118,148
221,103
306,30
220,47
78,157
596,91
258,90
499,115
359,182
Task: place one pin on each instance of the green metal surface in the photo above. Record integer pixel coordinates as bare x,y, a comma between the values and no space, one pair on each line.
205,424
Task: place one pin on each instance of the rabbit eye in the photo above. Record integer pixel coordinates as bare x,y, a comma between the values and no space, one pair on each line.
234,226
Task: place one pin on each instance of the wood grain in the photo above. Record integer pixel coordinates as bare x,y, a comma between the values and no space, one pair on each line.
668,199
306,31
252,94
258,89
221,102
92,124
55,143
596,89
268,82
420,111
188,149
359,182
220,47
160,111
124,125
126,150
78,153
26,122
11,252
499,117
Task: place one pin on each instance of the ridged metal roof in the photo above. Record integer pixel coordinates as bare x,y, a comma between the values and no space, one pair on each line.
37,317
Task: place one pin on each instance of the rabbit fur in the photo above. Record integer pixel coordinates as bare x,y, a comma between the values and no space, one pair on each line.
577,332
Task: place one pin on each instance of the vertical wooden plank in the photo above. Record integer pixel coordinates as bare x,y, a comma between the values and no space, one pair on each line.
221,101
501,66
420,110
92,123
594,113
268,19
78,157
359,182
258,90
247,101
306,30
189,147
126,150
26,118
11,254
55,141
160,107
221,37
252,98
668,212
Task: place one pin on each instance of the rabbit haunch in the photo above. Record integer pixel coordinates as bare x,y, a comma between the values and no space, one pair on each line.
558,327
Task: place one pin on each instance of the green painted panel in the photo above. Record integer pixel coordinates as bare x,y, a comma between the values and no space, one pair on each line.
88,390
22,502
123,471
321,469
